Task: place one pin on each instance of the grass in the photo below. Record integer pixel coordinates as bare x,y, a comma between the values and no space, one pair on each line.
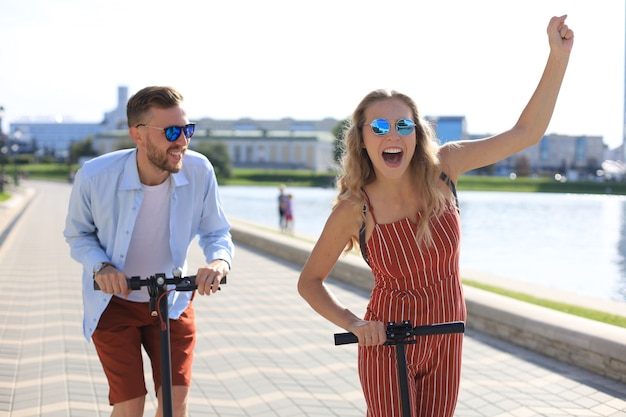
294,178
49,171
303,178
539,185
587,313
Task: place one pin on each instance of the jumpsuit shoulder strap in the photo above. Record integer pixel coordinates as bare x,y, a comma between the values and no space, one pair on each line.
444,177
362,242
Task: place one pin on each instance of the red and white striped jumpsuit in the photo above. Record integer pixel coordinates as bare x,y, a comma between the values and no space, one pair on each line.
421,284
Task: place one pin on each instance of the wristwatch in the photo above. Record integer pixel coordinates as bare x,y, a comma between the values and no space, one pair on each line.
100,266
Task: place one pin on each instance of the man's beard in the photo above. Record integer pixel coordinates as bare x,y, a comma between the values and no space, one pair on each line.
161,159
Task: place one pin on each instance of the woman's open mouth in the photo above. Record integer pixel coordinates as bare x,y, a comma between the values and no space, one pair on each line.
392,156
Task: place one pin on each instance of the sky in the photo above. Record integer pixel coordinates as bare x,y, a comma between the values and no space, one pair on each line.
273,59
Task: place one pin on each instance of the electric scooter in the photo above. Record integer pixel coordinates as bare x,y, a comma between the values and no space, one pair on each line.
157,289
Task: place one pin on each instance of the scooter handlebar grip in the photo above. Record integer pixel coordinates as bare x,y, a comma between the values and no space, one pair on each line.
345,338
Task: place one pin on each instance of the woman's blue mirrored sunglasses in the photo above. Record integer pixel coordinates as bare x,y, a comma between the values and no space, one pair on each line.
381,127
173,132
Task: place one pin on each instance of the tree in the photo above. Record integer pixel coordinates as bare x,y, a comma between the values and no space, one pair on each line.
486,170
218,154
125,143
338,132
81,148
522,166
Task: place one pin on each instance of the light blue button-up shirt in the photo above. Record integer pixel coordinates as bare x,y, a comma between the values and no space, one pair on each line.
103,207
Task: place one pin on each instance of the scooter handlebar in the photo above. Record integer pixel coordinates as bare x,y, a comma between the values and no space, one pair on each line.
431,329
182,283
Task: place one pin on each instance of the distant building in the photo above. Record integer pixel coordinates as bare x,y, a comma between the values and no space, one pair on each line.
573,156
303,144
56,137
285,143
449,128
275,144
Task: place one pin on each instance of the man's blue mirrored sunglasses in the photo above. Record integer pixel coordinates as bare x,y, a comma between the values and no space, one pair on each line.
173,132
381,127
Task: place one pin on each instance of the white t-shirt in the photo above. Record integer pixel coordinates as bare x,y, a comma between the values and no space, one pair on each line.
149,250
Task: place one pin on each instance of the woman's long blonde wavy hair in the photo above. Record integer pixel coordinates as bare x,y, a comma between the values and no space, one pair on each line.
358,171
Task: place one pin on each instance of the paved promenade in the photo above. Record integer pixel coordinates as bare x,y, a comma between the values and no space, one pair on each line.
261,350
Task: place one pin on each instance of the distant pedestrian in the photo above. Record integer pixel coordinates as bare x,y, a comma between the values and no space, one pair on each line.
282,204
396,202
289,214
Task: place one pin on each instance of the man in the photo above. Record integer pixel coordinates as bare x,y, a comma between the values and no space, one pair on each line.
135,212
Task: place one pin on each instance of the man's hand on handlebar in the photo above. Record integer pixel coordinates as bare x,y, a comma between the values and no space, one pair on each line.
208,277
112,281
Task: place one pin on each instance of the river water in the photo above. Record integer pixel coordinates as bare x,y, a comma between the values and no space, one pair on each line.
571,242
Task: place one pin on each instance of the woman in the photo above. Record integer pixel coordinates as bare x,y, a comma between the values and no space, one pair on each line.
397,203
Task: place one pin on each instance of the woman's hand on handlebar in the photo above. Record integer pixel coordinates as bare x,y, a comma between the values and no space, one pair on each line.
370,333
208,277
112,281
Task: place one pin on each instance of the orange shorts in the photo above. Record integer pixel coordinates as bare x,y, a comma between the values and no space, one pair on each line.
125,327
